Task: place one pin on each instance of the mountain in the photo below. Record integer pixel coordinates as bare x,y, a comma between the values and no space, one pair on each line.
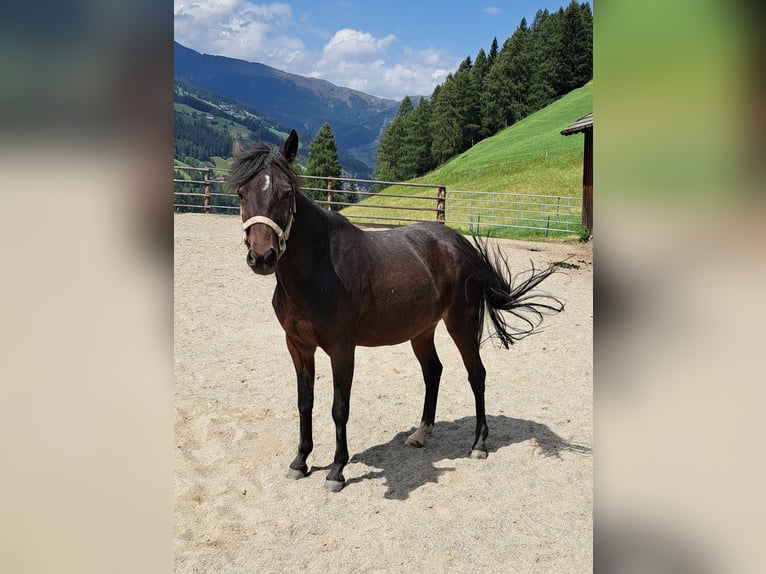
357,119
205,124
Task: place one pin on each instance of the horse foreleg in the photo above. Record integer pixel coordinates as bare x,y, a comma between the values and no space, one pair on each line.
303,360
342,375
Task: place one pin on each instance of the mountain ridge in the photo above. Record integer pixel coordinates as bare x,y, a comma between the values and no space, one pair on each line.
356,118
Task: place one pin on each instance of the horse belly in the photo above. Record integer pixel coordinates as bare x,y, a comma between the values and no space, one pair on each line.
380,334
391,320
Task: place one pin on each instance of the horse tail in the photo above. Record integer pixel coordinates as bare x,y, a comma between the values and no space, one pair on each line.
514,295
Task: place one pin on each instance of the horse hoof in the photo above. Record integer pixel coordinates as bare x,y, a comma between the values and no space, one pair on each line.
413,442
478,454
295,474
334,485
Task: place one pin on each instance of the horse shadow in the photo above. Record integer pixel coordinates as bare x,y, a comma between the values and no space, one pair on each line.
450,441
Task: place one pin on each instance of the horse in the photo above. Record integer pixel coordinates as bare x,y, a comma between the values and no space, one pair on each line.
339,287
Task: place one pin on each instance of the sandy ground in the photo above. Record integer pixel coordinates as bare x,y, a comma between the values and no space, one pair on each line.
527,508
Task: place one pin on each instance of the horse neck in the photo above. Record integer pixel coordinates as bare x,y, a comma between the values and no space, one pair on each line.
308,243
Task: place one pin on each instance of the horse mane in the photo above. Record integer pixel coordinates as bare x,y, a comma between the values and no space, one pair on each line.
250,160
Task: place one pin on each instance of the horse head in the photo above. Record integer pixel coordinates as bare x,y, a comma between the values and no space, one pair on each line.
267,188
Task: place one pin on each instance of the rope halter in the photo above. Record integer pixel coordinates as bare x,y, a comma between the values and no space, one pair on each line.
282,236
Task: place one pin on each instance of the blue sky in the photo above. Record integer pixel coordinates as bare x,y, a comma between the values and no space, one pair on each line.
387,48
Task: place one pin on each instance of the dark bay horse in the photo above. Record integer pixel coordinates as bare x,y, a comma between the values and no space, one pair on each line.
339,286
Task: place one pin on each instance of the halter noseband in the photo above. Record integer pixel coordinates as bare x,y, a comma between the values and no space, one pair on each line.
282,235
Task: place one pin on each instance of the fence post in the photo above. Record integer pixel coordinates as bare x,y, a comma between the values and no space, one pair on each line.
329,194
206,199
587,182
441,200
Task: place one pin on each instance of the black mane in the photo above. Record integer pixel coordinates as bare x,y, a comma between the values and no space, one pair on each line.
251,160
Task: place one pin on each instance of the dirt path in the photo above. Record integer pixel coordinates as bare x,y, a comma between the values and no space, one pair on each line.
527,508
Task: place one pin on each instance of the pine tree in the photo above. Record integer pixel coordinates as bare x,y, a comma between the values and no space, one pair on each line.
468,105
495,98
395,156
446,131
479,73
492,57
480,66
323,157
585,72
406,167
422,137
544,59
518,73
575,49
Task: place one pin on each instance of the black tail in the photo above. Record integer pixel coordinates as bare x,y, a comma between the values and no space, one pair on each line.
514,295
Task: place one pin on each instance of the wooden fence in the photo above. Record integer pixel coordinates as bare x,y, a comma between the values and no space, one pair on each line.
417,207
204,190
214,195
207,193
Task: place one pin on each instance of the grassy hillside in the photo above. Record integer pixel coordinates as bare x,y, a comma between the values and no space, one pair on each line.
529,157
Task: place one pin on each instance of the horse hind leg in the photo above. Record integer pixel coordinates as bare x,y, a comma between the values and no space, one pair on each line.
425,351
464,328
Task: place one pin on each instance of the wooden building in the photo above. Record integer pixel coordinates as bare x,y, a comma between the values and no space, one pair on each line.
585,125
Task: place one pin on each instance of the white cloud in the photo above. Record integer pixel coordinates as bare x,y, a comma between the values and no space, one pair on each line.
353,58
355,45
267,33
361,61
237,29
492,10
419,72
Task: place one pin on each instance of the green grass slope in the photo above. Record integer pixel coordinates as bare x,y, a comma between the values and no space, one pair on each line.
529,157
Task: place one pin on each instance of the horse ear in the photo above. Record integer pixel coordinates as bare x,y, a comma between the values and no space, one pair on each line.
289,149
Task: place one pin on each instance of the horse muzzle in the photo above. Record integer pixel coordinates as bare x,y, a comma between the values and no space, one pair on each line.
264,264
